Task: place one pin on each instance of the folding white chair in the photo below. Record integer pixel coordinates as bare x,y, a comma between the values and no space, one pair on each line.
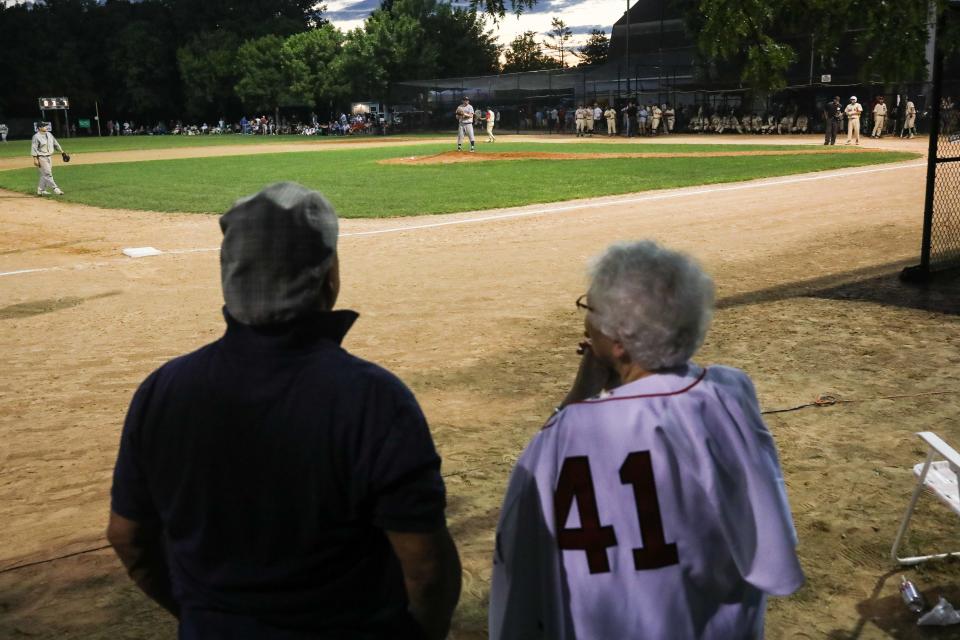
940,477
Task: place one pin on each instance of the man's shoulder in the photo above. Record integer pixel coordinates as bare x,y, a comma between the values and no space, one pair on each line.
180,365
351,371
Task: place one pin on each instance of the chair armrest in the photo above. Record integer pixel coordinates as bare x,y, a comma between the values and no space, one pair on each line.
937,444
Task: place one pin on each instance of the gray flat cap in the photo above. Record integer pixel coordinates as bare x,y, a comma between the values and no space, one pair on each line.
278,246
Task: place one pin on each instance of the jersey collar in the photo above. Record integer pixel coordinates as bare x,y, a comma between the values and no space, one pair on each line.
667,382
302,334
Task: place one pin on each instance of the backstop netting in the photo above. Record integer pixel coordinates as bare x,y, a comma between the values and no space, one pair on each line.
940,249
944,249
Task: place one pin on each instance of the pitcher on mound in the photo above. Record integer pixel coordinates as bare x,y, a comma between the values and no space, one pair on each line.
465,120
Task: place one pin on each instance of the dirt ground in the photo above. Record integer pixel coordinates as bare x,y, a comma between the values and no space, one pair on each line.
475,311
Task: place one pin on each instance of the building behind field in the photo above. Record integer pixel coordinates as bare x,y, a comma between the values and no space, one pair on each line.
654,60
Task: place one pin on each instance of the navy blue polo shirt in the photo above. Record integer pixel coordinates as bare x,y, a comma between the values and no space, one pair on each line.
274,461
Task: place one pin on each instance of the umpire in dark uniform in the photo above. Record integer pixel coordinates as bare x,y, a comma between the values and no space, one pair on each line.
832,118
271,484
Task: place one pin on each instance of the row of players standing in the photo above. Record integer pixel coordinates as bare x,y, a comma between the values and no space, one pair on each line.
833,114
587,118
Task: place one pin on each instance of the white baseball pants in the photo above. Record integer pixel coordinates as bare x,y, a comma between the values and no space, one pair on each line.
466,128
46,174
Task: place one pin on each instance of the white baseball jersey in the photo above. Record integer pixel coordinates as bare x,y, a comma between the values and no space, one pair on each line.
657,511
466,114
853,110
44,144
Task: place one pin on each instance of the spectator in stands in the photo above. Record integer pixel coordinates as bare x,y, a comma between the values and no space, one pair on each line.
270,484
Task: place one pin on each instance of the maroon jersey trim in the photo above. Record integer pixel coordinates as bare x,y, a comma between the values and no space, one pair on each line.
665,394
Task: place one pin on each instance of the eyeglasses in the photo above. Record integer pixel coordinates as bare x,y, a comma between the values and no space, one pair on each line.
582,304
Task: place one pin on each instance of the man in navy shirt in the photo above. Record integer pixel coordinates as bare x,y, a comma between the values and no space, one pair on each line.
270,484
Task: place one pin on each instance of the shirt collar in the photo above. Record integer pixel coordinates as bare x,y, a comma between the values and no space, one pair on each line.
302,334
664,381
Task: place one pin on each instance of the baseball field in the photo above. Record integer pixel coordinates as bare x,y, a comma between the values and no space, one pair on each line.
474,308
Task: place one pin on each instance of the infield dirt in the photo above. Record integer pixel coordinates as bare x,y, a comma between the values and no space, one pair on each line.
478,318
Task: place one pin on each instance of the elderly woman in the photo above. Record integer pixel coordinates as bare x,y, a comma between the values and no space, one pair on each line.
651,505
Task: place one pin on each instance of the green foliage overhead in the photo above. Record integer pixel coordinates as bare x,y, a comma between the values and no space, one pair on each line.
524,53
208,67
466,46
309,61
596,50
263,82
558,39
887,37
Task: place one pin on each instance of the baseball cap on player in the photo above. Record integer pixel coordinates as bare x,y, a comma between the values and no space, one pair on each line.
853,98
466,98
43,125
278,248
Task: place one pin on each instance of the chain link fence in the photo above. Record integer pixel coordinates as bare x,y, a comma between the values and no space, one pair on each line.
944,250
525,102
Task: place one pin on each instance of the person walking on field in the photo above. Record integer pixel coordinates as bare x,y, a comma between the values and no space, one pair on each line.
491,120
465,124
853,112
42,148
272,485
4,130
879,117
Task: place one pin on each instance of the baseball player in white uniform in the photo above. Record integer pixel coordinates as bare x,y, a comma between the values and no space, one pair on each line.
879,117
491,119
465,124
4,130
657,508
611,115
581,121
910,121
42,147
853,111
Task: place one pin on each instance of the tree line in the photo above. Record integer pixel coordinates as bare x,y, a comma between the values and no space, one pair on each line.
157,59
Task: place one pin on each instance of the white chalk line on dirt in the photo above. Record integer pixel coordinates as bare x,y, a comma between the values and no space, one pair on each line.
681,193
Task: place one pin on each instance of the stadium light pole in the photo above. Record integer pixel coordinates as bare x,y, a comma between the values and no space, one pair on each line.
628,49
660,58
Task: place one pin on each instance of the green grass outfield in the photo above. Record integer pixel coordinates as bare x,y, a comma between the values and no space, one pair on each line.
360,187
21,148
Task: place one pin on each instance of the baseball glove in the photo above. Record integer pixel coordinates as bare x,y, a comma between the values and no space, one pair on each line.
65,156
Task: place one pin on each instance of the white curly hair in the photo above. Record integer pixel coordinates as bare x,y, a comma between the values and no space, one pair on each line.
656,302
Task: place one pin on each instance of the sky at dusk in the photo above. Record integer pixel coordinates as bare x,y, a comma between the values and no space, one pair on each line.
580,16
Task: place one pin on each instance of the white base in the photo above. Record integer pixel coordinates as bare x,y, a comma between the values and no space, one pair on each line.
141,252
